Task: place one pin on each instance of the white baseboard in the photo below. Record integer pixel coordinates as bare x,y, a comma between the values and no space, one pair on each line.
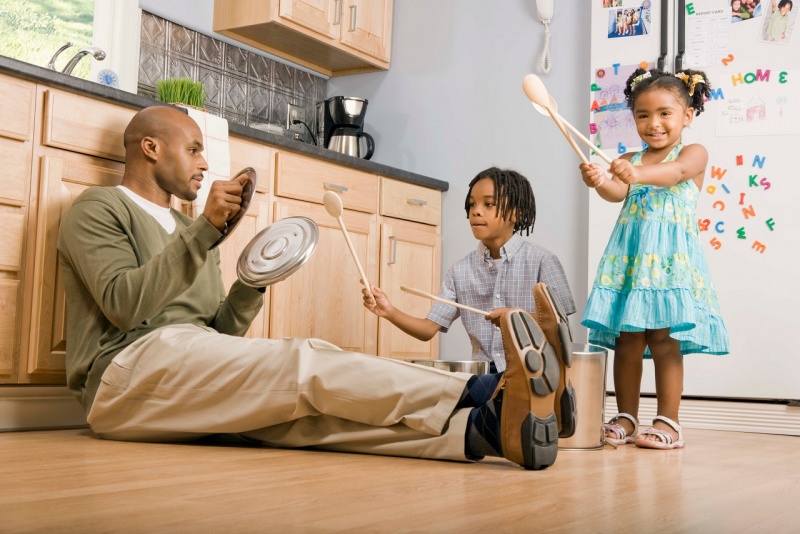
761,418
27,407
49,407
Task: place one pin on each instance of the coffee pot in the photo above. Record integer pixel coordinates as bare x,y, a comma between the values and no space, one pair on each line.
348,141
342,126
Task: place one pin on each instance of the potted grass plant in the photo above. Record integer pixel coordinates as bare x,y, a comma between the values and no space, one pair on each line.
181,91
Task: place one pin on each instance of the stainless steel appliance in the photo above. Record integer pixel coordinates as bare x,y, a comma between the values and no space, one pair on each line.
341,125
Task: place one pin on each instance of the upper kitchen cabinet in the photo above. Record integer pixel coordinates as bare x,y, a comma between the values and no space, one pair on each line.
333,37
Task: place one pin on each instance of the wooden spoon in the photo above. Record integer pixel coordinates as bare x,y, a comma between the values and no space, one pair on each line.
421,293
537,93
571,128
333,205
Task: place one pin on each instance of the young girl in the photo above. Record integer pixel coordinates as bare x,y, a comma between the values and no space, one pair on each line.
652,294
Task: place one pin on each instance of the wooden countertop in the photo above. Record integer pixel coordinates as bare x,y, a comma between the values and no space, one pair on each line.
38,74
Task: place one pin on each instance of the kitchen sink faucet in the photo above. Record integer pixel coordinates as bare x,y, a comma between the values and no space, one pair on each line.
96,52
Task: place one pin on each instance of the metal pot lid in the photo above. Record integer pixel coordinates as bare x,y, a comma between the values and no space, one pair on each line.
248,190
277,251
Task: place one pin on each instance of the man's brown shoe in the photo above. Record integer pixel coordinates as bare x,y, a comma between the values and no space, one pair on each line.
553,321
528,425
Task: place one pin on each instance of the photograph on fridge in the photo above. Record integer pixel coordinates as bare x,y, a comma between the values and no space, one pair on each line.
629,21
742,10
778,21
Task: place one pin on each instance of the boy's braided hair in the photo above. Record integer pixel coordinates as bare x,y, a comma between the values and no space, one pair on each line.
512,194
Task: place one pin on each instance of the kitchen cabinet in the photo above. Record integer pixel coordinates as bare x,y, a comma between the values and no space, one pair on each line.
411,257
244,153
17,108
62,177
323,299
333,37
80,146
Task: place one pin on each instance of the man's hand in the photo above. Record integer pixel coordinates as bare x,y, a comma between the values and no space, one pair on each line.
224,201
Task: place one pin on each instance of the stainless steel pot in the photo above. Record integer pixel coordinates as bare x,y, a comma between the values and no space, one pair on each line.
588,377
474,367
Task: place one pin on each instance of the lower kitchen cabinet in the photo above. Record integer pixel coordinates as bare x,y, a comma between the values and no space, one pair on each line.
411,257
323,298
62,177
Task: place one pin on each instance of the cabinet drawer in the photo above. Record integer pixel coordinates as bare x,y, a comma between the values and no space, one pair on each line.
17,100
84,125
306,178
245,153
411,202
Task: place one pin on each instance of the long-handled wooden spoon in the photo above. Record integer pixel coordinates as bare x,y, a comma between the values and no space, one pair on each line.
333,204
421,293
537,93
571,128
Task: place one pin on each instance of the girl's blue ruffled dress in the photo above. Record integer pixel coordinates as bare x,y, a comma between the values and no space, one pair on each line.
653,273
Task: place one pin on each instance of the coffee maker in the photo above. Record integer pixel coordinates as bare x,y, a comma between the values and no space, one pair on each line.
341,125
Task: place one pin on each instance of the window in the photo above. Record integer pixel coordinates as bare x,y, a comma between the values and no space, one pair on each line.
32,31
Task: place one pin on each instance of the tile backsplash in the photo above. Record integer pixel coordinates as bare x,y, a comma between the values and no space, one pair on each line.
242,86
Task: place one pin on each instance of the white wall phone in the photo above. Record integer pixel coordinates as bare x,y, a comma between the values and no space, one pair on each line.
544,9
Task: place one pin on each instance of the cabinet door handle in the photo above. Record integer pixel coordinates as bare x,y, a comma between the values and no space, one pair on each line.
337,13
417,202
334,187
353,14
393,255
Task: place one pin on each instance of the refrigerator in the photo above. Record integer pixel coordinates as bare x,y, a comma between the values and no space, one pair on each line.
749,208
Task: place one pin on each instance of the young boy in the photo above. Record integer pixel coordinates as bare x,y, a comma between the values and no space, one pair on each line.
499,275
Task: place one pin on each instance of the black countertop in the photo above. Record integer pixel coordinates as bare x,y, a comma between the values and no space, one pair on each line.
40,74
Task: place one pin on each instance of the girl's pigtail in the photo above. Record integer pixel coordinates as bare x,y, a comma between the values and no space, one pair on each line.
697,86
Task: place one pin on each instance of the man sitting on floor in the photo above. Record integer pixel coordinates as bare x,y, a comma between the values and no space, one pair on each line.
155,353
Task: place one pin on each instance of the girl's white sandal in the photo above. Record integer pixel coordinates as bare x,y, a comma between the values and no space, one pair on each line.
664,440
620,435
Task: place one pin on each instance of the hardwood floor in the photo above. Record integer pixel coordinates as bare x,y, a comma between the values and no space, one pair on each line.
69,481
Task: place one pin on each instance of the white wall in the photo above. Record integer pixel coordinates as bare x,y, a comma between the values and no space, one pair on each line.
452,105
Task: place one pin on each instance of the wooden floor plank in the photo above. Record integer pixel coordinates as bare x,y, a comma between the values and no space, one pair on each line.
69,481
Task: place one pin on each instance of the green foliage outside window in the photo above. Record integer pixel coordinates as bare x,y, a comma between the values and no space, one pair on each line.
32,30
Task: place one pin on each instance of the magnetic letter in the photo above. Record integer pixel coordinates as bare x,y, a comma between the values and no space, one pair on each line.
759,247
739,160
740,233
720,227
727,60
718,173
719,204
715,243
771,224
748,212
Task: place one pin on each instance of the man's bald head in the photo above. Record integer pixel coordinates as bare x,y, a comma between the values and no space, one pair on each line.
155,121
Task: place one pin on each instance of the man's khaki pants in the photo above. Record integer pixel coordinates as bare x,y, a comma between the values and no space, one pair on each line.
184,382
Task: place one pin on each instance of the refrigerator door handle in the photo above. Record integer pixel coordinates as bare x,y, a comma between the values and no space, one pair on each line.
662,57
681,44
